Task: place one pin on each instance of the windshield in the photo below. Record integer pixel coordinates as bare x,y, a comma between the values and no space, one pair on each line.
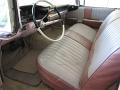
5,25
54,2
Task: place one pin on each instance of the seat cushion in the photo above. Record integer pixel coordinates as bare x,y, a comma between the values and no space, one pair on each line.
83,34
63,62
67,56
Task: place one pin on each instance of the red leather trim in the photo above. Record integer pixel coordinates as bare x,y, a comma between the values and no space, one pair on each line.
92,23
88,12
79,38
52,80
106,74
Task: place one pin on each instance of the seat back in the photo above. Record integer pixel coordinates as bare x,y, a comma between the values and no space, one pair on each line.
103,66
110,18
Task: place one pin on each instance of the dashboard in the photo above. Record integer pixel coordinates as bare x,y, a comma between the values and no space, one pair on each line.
26,19
26,12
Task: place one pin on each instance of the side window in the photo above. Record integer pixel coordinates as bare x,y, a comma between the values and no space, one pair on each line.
101,3
5,25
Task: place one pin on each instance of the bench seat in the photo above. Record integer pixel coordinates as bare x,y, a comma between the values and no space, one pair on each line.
84,59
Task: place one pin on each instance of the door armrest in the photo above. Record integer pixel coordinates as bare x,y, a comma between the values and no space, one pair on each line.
92,23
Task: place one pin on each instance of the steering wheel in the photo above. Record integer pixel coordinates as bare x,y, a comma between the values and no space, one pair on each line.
42,24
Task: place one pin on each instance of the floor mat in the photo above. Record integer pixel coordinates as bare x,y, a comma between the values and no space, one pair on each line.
25,70
14,85
28,62
26,78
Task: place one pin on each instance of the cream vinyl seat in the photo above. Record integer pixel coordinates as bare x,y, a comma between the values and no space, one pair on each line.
84,59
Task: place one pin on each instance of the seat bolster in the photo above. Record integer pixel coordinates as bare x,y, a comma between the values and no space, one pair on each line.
53,80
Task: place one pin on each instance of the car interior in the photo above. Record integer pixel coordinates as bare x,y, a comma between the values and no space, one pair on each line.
59,45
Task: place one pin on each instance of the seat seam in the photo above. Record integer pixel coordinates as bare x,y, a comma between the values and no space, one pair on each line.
81,36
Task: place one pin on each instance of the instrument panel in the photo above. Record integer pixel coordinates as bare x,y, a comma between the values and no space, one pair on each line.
26,13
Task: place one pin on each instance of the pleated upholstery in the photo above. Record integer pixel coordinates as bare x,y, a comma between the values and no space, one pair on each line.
86,31
82,33
105,46
111,18
103,68
65,59
101,13
69,55
79,38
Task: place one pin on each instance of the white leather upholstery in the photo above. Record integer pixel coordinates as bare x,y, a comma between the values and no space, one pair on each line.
68,56
65,59
106,44
101,13
109,20
86,31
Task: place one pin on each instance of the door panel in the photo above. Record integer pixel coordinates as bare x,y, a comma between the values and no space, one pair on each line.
77,15
91,16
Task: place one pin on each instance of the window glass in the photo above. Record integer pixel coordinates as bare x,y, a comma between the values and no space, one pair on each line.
5,25
82,2
55,2
114,3
103,3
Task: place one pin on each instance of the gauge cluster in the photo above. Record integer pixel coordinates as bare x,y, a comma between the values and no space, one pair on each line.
26,13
